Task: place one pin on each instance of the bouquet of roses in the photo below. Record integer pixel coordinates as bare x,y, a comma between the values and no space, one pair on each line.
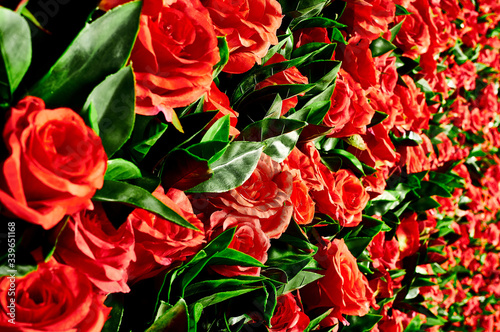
249,165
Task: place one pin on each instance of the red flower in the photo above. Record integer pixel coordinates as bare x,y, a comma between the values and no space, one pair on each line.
265,195
368,19
249,239
92,245
343,287
159,243
408,236
288,317
343,197
413,37
55,297
173,57
56,163
249,26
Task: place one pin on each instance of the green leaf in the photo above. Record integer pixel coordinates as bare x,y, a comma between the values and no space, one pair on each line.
377,118
223,53
395,29
233,168
121,192
361,324
314,323
223,296
230,256
400,10
282,40
219,131
113,323
381,46
424,204
174,319
356,245
347,160
279,136
318,22
431,188
322,73
300,280
183,170
15,52
112,114
211,150
312,113
121,169
147,130
219,285
100,49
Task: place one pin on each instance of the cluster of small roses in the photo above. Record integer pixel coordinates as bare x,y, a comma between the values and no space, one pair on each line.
368,186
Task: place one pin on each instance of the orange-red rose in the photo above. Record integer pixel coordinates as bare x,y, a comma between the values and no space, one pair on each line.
159,243
343,197
173,57
249,26
265,195
288,317
343,287
56,163
92,245
55,297
249,238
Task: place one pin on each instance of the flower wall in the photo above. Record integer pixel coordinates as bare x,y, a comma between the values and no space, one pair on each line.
251,165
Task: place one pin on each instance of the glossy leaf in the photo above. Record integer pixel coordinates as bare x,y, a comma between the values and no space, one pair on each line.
381,46
302,278
121,169
174,319
361,324
279,136
223,296
15,52
110,109
183,170
211,150
338,158
230,256
121,192
320,22
233,168
219,131
99,50
218,285
223,53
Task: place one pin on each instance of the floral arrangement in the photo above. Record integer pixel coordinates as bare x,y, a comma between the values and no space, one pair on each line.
250,165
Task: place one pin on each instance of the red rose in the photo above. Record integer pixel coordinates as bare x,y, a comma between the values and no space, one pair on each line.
343,197
249,239
249,26
413,37
416,112
55,297
368,19
55,166
310,35
92,245
288,317
289,76
265,195
159,243
350,111
357,60
343,287
340,112
408,236
173,57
